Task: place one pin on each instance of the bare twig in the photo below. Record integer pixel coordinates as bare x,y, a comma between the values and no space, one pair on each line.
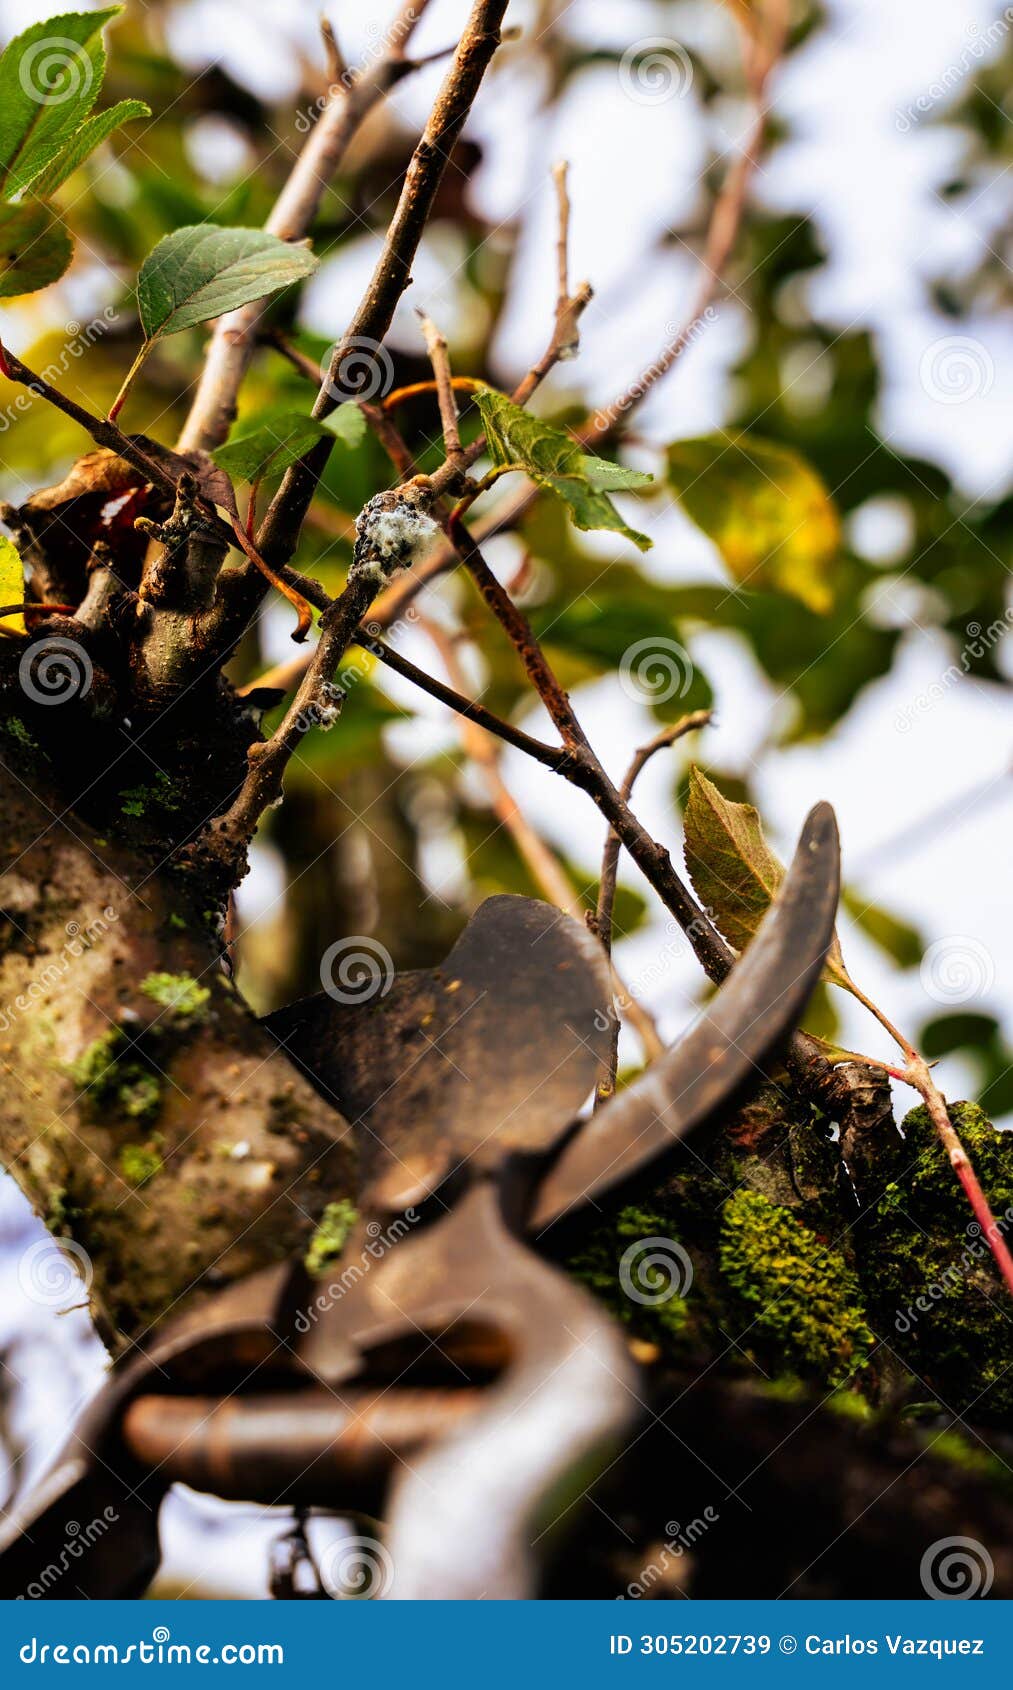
280,529
439,357
584,768
351,96
610,863
543,864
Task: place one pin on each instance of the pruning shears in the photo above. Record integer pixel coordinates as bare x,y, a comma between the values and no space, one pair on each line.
440,1370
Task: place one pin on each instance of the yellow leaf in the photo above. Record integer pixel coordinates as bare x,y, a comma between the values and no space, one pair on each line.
12,584
766,510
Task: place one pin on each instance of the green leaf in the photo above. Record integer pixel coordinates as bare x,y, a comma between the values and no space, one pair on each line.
280,441
92,133
12,583
734,871
900,941
50,76
347,424
555,461
270,447
203,270
606,477
35,248
766,510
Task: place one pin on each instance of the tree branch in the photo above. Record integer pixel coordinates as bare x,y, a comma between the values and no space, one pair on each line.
610,863
280,530
352,96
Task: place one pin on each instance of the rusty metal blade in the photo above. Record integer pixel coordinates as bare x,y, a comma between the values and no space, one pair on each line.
496,1049
755,1008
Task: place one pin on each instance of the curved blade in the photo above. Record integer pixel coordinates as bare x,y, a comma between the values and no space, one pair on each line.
756,1007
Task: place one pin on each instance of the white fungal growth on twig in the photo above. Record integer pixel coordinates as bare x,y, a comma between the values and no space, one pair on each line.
392,531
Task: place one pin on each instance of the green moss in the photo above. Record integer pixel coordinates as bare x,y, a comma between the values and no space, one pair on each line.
803,1297
160,791
15,727
179,993
96,1064
176,920
598,1266
110,1076
929,1274
139,1163
330,1236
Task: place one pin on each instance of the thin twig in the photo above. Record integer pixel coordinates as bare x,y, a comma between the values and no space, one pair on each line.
351,97
603,917
543,864
280,529
439,357
584,768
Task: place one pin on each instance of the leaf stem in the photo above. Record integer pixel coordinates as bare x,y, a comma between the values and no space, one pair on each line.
129,379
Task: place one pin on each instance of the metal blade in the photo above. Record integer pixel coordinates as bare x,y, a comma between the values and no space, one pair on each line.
756,1007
